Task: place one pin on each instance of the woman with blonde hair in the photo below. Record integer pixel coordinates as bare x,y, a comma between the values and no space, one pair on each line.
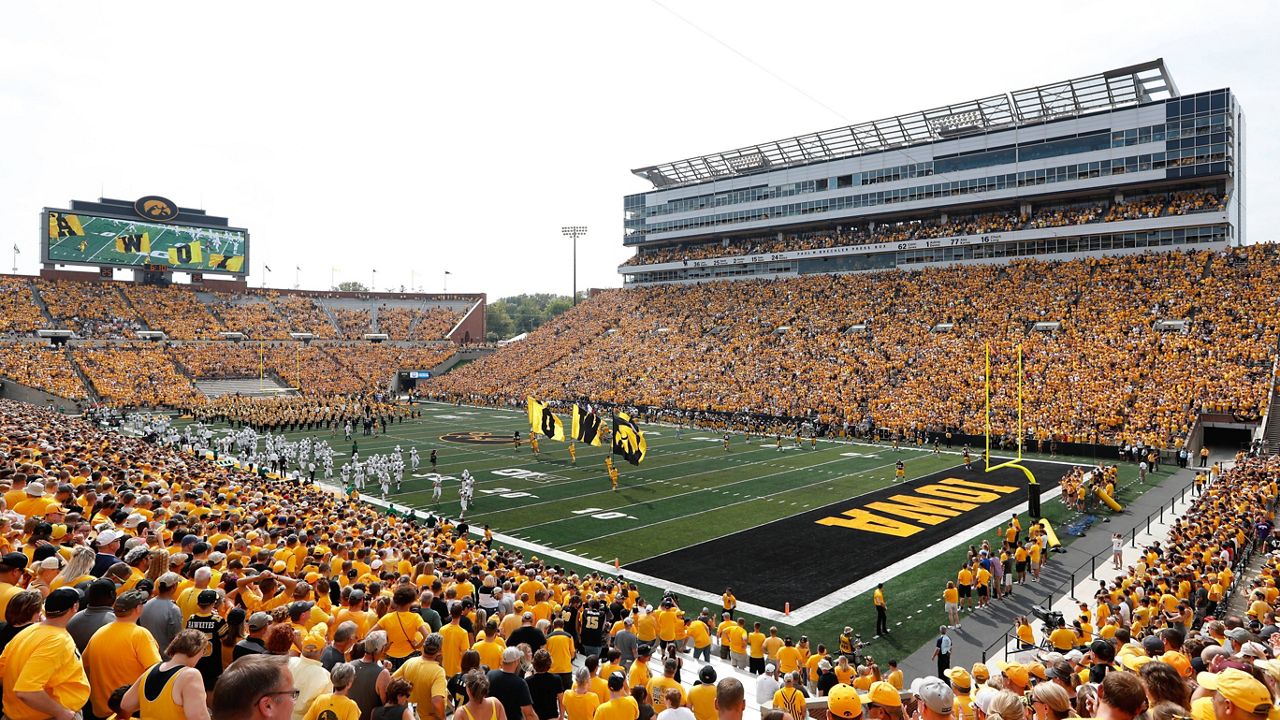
1049,701
1006,706
77,568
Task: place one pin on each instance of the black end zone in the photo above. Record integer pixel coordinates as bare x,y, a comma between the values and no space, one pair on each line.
808,556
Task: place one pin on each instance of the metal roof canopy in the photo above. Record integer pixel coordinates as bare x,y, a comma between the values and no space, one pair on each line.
1121,87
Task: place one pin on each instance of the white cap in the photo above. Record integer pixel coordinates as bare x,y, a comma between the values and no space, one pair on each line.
106,537
134,520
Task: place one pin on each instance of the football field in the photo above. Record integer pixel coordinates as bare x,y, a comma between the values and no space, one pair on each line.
798,529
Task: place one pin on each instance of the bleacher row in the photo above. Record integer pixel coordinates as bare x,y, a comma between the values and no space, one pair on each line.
1084,213
788,349
109,310
142,374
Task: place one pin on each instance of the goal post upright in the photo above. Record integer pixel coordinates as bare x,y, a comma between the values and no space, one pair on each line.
1033,487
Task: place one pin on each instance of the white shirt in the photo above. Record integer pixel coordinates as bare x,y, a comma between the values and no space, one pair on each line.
312,680
680,713
766,686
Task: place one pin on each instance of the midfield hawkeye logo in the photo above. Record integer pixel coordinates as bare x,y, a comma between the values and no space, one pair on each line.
476,437
154,207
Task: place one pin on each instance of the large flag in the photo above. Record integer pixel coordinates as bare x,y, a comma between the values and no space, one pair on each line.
137,243
586,426
628,441
186,254
64,226
232,263
542,420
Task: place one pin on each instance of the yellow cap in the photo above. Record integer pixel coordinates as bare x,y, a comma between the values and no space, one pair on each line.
843,702
1240,688
1016,673
980,672
1134,662
882,693
1179,662
960,678
1036,670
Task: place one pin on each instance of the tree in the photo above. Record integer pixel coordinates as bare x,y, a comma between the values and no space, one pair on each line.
351,286
524,313
498,322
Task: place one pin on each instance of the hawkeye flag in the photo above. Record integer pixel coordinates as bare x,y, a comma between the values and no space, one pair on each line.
140,243
64,226
542,420
628,441
185,254
586,426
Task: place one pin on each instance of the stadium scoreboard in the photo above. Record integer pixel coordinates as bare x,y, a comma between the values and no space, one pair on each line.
151,233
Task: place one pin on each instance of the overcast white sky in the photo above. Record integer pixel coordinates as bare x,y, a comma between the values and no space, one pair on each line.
419,137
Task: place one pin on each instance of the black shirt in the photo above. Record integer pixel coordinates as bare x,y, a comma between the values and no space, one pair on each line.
543,689
527,634
592,628
248,646
332,656
510,690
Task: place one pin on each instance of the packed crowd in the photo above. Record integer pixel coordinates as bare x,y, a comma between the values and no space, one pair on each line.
41,367
782,347
353,324
94,310
18,312
175,311
140,579
1154,205
135,374
412,323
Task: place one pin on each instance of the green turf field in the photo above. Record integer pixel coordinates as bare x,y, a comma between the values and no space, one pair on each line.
687,491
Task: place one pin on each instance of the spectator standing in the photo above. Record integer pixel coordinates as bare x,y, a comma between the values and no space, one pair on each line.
41,670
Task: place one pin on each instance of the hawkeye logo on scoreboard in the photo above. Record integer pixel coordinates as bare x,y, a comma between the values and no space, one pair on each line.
154,207
476,437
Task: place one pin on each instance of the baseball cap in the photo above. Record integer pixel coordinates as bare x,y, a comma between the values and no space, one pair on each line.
770,668
1254,650
1240,688
259,620
134,520
644,651
312,643
843,702
12,561
616,681
108,536
1179,662
1134,662
980,673
207,597
960,678
35,489
1074,656
127,602
1239,635
1015,672
61,601
881,693
982,699
707,675
935,693
1036,670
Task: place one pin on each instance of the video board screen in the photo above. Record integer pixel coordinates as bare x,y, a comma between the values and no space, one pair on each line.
79,238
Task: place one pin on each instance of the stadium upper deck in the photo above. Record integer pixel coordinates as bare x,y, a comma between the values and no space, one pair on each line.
1114,162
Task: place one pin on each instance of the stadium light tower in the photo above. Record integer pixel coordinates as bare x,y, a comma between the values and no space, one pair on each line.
574,231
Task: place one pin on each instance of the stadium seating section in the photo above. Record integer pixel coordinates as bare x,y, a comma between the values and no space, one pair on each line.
783,347
105,318
1179,203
